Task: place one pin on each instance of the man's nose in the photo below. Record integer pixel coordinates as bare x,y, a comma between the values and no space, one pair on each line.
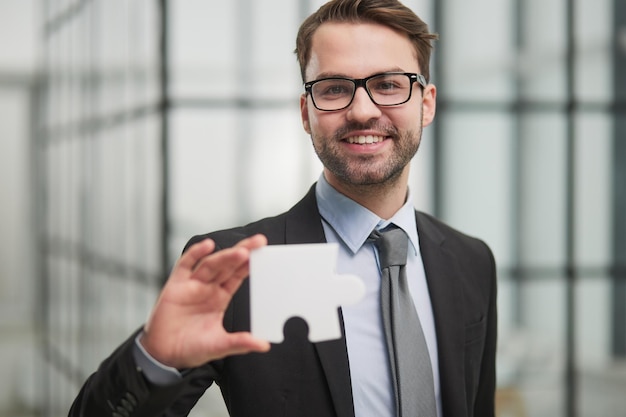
362,107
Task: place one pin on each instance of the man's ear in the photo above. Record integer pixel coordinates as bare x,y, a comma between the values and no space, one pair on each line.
429,104
304,113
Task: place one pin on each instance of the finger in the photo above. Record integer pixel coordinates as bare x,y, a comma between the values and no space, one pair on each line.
240,270
196,253
226,264
232,278
244,342
231,263
239,275
252,242
221,265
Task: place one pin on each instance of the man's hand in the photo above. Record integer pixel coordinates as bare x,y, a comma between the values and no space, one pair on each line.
185,328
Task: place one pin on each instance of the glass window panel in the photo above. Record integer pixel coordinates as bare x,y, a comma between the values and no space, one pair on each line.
51,317
143,59
95,338
542,199
477,47
111,57
204,161
143,195
99,180
601,382
280,154
63,197
273,66
111,175
73,34
141,298
475,198
593,211
18,20
542,58
594,31
150,182
540,344
508,322
593,327
64,80
424,9
223,163
421,175
52,183
204,48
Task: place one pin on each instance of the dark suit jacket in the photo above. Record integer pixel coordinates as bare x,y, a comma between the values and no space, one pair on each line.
298,378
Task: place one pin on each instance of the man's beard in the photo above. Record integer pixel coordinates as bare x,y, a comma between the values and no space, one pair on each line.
367,170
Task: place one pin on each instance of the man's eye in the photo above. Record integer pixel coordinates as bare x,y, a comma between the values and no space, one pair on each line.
386,86
335,90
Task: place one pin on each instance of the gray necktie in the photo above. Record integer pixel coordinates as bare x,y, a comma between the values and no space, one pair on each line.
408,354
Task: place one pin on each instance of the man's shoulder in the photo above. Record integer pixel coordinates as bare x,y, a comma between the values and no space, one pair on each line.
271,227
438,237
441,232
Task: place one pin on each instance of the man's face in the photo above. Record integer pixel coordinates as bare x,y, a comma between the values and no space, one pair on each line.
392,134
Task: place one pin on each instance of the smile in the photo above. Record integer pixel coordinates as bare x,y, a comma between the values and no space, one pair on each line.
362,140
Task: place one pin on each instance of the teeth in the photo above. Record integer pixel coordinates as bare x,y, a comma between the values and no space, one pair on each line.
362,140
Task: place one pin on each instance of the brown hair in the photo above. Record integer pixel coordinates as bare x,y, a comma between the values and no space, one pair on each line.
390,13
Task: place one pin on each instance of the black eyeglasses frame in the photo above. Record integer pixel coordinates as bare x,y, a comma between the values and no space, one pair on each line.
361,82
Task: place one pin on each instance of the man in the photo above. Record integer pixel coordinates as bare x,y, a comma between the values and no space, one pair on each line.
367,97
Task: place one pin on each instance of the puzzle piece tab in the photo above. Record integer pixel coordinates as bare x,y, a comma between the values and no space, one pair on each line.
299,281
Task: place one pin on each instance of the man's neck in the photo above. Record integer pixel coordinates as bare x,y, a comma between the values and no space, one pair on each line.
382,199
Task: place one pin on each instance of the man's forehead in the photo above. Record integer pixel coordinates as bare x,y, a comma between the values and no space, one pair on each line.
359,50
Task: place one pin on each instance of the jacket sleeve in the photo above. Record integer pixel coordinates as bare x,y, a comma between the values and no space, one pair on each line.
119,388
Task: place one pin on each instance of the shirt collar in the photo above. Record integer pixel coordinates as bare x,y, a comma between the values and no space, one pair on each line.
353,223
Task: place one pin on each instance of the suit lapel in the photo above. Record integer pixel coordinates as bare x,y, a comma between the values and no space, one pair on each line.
333,356
443,277
304,225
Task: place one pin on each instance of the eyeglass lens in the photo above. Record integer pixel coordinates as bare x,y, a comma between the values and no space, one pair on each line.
383,89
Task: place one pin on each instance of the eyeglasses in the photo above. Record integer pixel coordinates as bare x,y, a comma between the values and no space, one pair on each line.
386,89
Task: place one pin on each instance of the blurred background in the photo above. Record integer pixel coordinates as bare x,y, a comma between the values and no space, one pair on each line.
127,126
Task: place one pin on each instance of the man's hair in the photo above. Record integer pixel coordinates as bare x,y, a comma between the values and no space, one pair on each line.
390,13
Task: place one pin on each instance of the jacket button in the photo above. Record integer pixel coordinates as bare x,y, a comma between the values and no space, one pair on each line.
127,405
131,398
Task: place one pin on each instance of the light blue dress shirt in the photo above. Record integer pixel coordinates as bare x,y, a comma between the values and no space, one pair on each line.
349,224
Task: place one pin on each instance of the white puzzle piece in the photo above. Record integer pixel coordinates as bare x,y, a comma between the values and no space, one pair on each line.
299,281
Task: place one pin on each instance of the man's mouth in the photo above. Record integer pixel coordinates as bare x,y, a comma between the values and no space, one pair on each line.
362,140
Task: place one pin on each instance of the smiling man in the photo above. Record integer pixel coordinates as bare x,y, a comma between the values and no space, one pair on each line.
420,343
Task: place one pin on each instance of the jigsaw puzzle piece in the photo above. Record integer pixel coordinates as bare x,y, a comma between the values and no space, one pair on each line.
299,281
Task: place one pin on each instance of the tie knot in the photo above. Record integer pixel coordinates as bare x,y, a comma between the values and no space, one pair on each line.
392,246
